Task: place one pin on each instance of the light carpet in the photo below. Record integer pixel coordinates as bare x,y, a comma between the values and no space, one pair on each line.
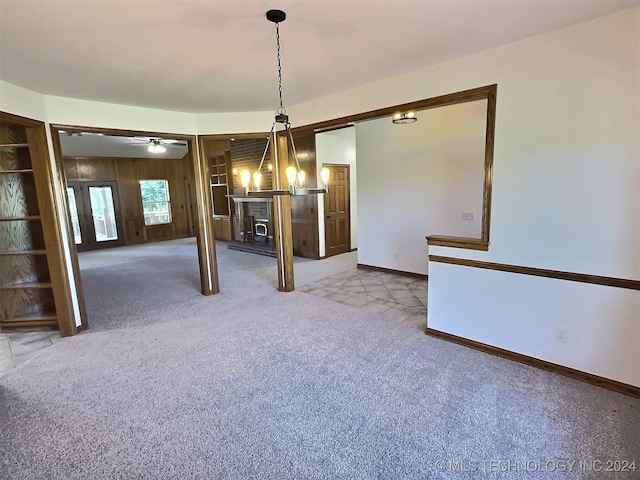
254,383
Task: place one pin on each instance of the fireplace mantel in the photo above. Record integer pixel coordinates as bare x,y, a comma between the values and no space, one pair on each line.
246,199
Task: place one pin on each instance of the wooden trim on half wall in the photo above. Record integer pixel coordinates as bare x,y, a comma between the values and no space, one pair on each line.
457,242
541,272
614,385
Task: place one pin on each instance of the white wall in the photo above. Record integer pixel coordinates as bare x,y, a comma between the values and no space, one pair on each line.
417,179
566,153
566,192
85,113
339,147
522,313
20,101
234,122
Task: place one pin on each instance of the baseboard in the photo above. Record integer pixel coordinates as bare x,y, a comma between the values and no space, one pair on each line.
395,272
613,385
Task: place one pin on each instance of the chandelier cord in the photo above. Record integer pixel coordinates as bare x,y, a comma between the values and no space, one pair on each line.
281,108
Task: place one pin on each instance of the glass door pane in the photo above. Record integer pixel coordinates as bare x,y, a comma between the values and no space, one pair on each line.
75,221
103,213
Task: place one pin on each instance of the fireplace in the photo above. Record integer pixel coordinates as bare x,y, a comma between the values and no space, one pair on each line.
254,221
261,229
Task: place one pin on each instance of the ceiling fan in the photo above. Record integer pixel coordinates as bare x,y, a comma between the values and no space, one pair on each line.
157,145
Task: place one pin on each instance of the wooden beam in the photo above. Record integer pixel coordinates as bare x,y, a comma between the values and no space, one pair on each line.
282,218
209,283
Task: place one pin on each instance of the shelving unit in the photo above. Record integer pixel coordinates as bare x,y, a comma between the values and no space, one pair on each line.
27,291
219,169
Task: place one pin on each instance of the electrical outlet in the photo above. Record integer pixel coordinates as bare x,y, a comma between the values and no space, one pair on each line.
468,215
561,335
395,255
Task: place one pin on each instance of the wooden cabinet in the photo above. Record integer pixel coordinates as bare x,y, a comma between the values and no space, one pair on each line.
27,240
222,228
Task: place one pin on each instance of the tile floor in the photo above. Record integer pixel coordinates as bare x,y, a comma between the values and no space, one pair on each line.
19,346
398,297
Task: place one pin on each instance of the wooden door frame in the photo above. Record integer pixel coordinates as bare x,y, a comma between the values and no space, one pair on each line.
348,203
203,222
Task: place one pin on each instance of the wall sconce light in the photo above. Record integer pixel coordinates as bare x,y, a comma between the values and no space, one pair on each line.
402,118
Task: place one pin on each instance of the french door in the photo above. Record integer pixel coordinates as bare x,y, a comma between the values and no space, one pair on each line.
95,214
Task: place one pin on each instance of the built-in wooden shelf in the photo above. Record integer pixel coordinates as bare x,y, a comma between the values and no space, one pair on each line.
24,252
13,219
21,286
23,170
45,319
33,290
14,145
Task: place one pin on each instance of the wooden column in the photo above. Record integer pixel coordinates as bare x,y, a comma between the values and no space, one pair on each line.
206,241
282,217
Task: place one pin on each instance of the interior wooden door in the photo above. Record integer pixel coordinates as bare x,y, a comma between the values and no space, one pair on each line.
95,214
337,232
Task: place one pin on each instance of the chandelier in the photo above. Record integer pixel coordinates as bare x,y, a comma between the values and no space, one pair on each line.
296,177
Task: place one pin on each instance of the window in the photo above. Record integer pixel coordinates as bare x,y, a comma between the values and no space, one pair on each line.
155,201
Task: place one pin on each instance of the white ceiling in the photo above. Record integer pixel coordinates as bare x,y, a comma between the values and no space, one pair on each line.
219,55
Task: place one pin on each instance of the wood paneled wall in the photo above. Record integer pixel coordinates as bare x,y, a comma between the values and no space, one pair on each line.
304,208
128,172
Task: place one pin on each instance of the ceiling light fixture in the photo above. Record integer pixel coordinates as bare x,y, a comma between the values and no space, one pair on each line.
295,175
402,118
156,146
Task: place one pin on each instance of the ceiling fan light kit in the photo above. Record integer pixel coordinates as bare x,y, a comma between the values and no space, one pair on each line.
156,146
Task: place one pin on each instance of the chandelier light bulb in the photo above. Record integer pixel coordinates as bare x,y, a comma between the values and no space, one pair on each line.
291,173
301,178
257,179
325,173
245,178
